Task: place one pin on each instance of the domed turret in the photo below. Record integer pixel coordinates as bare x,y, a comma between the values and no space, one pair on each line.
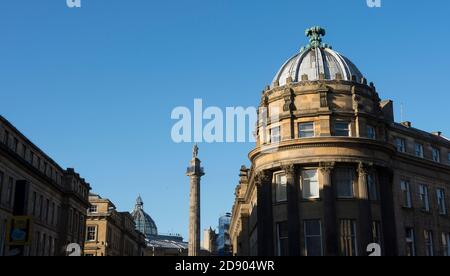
144,223
317,61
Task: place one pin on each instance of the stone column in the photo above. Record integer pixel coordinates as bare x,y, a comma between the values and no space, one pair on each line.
330,224
293,210
265,214
365,209
390,244
195,172
244,238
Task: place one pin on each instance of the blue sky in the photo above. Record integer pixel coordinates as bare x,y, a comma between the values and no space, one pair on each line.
94,87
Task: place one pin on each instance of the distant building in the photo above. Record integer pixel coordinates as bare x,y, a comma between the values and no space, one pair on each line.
223,238
210,241
111,233
156,244
32,184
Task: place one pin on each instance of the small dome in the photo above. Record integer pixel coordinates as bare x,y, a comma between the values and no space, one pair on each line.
144,223
317,61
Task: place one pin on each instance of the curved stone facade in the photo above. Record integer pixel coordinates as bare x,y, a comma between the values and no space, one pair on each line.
327,175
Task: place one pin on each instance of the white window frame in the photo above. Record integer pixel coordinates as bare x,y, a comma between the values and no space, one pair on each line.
316,189
400,144
351,184
342,129
411,239
280,180
306,236
445,240
418,150
442,204
424,196
405,187
278,138
89,232
93,209
308,131
429,245
371,132
436,154
280,239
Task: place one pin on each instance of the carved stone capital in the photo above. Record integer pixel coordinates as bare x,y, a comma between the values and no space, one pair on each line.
288,169
262,177
326,167
364,168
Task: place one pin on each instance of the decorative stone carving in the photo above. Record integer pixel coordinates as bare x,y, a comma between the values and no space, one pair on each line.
289,97
262,177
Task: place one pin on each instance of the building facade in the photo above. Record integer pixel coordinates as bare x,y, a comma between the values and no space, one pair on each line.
111,233
223,237
33,185
332,172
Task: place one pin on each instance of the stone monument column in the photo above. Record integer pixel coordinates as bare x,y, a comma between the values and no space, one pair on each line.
195,173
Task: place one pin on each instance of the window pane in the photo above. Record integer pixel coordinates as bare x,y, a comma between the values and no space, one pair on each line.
313,238
344,182
281,186
306,130
310,185
348,238
371,132
275,135
342,129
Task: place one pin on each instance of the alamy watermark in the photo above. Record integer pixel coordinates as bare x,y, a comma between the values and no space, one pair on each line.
73,3
374,3
229,125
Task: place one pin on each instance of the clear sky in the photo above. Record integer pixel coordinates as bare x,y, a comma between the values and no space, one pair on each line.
94,87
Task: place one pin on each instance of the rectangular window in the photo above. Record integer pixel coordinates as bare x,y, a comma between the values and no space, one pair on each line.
418,150
372,187
24,151
410,242
371,132
313,238
275,135
436,155
281,187
93,209
424,198
34,203
41,207
15,145
344,178
10,192
306,130
376,232
47,206
445,244
348,238
400,144
32,158
2,176
310,184
429,247
342,129
440,195
2,236
53,213
282,240
91,233
448,158
6,138
406,194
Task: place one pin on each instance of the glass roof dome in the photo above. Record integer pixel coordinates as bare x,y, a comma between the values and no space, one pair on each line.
317,61
144,223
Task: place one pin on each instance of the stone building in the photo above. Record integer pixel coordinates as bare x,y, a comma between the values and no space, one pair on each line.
111,233
34,185
332,172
